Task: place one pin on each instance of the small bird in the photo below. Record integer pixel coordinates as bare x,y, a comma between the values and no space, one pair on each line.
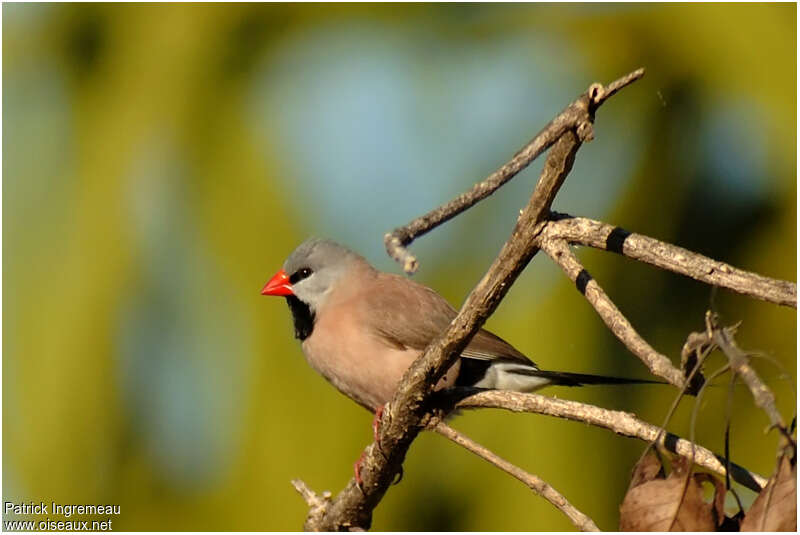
362,328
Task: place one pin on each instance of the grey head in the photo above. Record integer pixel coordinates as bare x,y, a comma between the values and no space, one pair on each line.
315,267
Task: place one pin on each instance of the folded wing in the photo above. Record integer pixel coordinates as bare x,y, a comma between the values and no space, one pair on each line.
405,314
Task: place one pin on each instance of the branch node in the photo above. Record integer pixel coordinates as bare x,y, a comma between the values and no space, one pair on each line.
317,504
576,117
596,92
585,131
397,250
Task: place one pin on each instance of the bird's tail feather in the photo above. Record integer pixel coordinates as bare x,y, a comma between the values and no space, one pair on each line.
581,379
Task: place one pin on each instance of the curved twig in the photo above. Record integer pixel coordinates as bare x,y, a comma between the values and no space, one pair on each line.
740,364
578,116
659,364
535,483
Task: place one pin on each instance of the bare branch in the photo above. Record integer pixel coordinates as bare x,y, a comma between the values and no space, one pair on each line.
616,85
412,409
659,364
407,413
600,235
622,423
578,116
538,485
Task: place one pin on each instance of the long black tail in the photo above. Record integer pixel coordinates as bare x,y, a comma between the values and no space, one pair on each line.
581,379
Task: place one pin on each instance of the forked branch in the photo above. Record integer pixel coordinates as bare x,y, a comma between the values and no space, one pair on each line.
577,117
406,414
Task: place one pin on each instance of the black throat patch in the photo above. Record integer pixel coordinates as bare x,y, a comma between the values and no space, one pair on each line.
302,316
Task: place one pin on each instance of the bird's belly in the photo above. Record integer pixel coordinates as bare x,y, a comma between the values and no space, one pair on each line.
364,370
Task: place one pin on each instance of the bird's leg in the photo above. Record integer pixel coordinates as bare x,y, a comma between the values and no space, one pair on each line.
376,426
357,470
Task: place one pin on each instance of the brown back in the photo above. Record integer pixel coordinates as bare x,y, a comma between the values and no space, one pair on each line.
408,315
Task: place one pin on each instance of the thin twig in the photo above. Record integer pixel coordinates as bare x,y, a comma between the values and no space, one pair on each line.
583,231
537,484
692,428
740,364
659,364
622,423
697,344
577,116
616,85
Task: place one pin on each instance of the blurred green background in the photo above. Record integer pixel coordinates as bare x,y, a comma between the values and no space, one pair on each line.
161,161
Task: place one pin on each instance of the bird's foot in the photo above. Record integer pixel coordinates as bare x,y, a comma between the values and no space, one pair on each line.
376,423
376,426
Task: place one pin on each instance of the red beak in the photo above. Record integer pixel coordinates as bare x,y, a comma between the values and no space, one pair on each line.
278,285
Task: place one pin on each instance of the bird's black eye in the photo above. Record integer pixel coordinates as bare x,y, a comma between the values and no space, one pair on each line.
300,274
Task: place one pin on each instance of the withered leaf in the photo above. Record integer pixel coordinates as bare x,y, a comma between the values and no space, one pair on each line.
654,503
648,469
775,508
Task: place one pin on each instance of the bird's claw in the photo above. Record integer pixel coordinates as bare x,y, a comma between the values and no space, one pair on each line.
398,477
376,426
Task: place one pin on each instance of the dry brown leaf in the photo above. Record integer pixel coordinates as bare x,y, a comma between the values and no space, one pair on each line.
775,508
654,503
718,505
648,469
